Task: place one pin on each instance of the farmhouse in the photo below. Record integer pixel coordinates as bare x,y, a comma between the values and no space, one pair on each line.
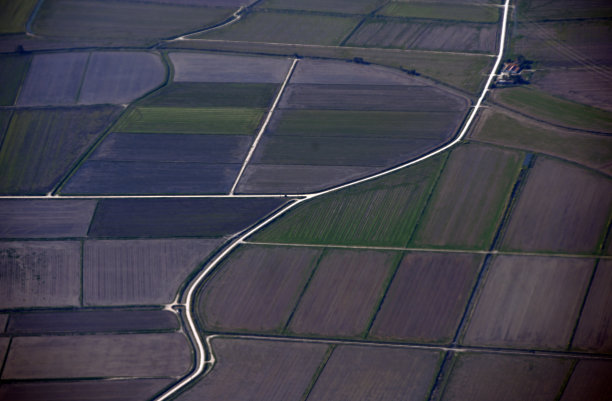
510,74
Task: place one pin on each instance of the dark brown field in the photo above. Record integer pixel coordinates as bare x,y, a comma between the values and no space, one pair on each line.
580,85
40,274
88,390
594,331
256,288
139,272
562,208
45,218
4,342
486,377
119,355
376,373
427,297
529,302
591,380
258,371
191,67
92,321
3,321
343,293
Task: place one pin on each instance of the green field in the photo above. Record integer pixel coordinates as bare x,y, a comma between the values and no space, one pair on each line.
469,200
275,27
41,145
564,9
338,6
590,150
174,120
121,21
379,124
195,94
444,11
554,110
12,72
14,15
382,212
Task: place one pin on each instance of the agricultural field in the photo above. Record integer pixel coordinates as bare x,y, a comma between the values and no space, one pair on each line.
481,377
442,11
515,131
90,321
41,145
426,285
342,295
164,218
121,22
13,69
139,272
91,356
362,373
257,288
444,36
594,327
335,6
14,14
39,274
530,302
258,370
591,380
563,208
45,218
280,27
564,9
469,199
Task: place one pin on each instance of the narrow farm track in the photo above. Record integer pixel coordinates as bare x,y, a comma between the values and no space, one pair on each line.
200,344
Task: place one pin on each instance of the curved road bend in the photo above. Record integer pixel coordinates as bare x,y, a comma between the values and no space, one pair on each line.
199,348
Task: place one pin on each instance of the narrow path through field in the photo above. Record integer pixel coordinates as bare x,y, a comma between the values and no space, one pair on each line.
199,348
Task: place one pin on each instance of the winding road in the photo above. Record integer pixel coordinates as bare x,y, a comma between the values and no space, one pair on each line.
200,344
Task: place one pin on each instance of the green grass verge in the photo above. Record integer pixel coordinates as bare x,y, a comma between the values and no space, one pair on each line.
173,120
444,11
590,150
12,72
212,95
382,212
554,110
14,15
281,27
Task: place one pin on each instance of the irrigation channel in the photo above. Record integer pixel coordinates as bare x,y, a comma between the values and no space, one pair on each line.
200,344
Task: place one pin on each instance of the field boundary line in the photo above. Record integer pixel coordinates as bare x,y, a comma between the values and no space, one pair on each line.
191,289
264,125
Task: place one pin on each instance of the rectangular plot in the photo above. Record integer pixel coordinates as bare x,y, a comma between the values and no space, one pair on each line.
120,77
339,6
427,297
565,9
258,370
91,390
562,208
292,28
12,72
343,293
339,151
361,372
470,198
199,94
256,288
90,321
173,148
446,36
484,377
370,98
291,179
139,272
529,302
45,218
378,124
594,331
118,355
591,380
40,274
222,120
444,11
178,217
41,145
53,79
197,67
127,178
381,212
